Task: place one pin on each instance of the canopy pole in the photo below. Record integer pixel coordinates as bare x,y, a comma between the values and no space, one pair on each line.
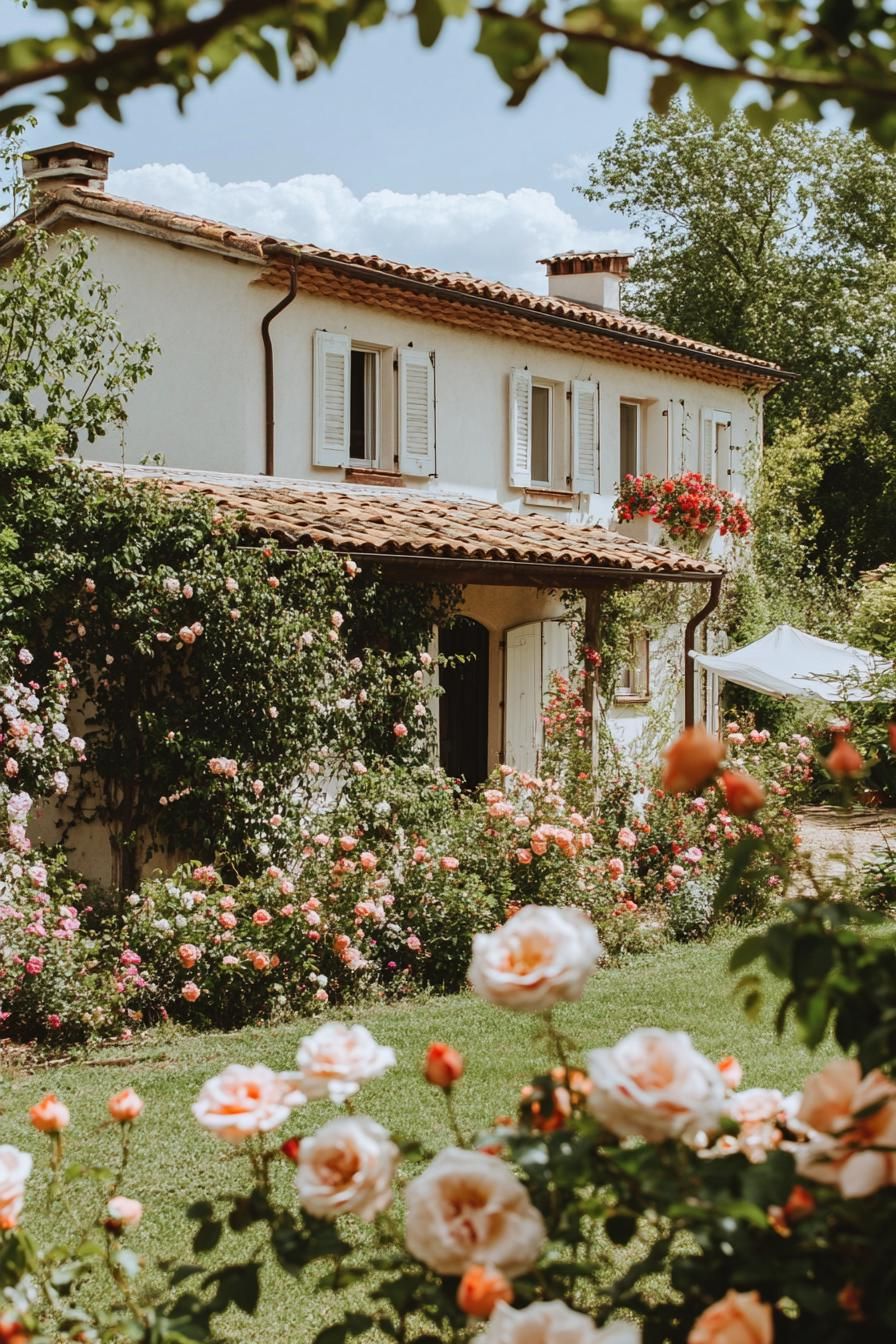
715,592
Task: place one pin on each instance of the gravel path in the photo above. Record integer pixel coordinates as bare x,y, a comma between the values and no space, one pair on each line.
836,841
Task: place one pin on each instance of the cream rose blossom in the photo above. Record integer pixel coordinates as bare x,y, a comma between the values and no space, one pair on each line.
739,1318
468,1208
335,1060
347,1167
15,1168
553,1323
240,1102
542,955
654,1084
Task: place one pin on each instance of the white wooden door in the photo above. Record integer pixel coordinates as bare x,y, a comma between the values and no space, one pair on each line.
522,697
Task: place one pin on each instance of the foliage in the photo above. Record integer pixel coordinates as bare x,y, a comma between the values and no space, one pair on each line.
685,506
873,624
803,58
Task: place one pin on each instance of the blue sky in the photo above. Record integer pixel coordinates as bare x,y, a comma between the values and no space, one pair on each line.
407,152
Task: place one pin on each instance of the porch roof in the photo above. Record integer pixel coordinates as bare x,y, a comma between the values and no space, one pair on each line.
453,537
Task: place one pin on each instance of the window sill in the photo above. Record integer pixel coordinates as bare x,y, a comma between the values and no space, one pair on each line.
631,699
372,476
558,499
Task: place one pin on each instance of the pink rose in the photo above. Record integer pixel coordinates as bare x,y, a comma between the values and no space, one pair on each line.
414,943
615,868
123,1212
626,839
399,730
227,920
261,917
448,863
190,992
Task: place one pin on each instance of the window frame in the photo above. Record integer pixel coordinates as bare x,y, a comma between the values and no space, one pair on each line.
638,407
373,380
544,385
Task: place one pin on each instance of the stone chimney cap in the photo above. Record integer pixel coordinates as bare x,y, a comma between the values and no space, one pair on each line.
588,263
68,164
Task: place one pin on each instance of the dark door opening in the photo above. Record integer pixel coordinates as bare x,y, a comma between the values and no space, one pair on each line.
463,706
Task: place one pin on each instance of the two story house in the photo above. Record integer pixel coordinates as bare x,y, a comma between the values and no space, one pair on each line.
448,426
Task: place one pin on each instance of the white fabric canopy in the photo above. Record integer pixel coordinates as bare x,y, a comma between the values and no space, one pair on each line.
790,662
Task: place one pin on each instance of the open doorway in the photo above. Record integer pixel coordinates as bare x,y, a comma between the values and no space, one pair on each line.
463,706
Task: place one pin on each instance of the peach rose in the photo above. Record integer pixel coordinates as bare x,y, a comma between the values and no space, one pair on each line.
50,1115
844,762
730,1069
240,1102
443,1065
481,1289
653,1083
347,1167
744,795
15,1168
188,955
125,1106
739,1318
124,1212
335,1060
541,955
691,760
553,1323
468,1208
855,1118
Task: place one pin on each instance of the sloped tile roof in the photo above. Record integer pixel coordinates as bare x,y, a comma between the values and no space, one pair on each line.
455,285
387,522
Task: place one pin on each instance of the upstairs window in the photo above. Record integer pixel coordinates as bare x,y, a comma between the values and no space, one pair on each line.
715,447
363,406
629,439
542,435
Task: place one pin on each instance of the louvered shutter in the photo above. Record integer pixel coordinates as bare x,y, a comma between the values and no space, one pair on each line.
585,437
331,399
522,697
416,413
520,427
707,445
555,653
724,455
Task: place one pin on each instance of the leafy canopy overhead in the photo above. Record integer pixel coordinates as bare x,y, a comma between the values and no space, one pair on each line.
793,55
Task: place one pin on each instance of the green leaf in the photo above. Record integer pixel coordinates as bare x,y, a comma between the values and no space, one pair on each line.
590,61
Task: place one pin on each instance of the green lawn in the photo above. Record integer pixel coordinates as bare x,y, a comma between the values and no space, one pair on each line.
174,1161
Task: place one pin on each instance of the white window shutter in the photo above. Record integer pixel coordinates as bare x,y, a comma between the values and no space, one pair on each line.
520,427
584,437
416,413
707,445
331,399
556,654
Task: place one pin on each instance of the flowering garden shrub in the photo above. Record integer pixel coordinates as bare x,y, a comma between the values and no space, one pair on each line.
639,1195
689,505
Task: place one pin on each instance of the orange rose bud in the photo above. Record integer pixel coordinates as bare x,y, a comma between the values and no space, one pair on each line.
844,761
744,795
481,1289
850,1299
290,1150
50,1115
731,1071
12,1332
691,760
443,1065
125,1106
800,1203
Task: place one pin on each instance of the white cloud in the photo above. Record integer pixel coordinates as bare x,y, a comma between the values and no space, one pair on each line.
574,168
490,234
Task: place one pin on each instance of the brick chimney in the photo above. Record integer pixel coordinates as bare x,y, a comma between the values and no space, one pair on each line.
592,278
68,165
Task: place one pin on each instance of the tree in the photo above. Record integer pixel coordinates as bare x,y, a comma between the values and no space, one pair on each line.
799,55
780,245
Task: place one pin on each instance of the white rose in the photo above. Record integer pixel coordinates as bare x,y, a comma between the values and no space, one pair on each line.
540,956
335,1060
755,1105
347,1167
15,1168
468,1208
653,1083
240,1102
553,1323
60,732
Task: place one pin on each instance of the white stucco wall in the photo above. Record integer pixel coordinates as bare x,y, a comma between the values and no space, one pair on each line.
204,405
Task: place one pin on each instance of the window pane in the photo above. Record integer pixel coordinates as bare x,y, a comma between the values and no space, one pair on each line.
541,435
362,427
629,436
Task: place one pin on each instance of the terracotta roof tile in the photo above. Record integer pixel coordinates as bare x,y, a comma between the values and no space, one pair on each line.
389,522
449,284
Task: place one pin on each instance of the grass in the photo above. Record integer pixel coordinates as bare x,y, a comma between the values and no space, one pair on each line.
174,1162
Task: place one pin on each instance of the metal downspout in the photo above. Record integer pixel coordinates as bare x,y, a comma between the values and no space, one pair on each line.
269,368
715,592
